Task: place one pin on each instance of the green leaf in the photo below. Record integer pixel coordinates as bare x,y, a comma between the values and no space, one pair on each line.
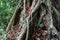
41,25
25,22
4,36
47,38
2,4
1,31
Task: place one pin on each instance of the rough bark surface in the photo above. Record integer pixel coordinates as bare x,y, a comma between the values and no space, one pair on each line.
25,21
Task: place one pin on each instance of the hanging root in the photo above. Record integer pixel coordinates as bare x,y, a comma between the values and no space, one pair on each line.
27,18
45,15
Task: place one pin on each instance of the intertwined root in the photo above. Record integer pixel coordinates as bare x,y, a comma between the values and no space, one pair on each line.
22,26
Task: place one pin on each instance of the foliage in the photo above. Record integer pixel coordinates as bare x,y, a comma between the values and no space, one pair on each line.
1,31
47,38
6,11
3,34
41,25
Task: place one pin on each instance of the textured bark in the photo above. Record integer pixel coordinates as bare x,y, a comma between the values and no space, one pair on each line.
45,10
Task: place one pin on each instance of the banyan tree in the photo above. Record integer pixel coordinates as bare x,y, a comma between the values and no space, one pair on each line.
35,20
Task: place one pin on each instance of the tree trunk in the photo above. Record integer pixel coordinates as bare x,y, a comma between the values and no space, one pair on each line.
34,12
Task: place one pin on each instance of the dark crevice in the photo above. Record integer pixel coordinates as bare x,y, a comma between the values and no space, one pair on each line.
17,16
